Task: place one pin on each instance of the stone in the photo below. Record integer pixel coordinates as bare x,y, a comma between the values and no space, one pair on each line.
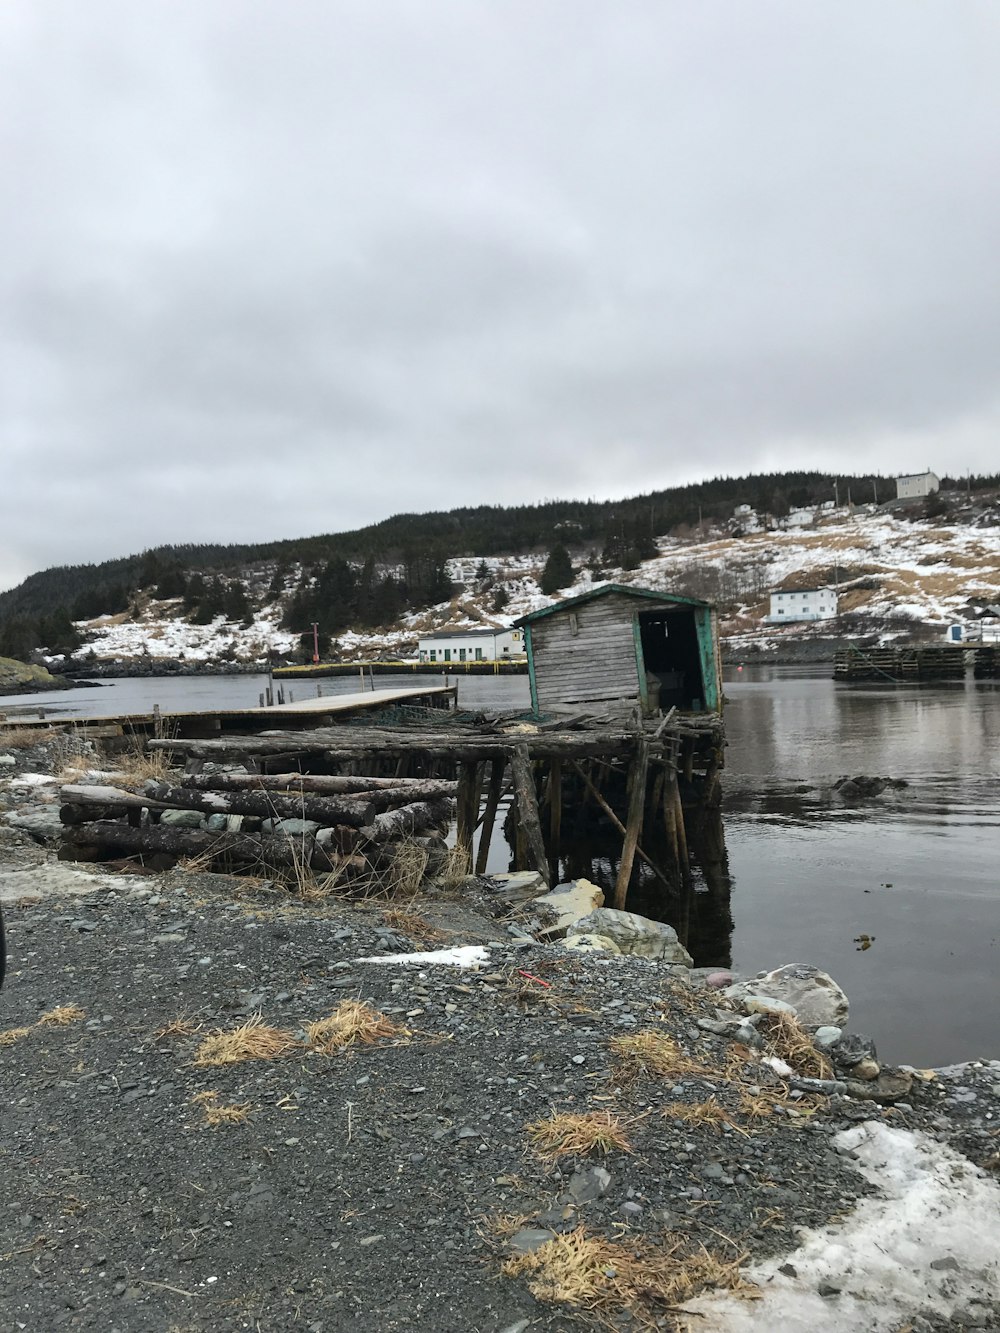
764,1004
7,761
851,1049
825,1037
890,1087
947,1265
293,828
569,903
586,1186
719,980
519,886
866,1070
42,822
529,1239
183,818
217,823
635,934
814,994
591,943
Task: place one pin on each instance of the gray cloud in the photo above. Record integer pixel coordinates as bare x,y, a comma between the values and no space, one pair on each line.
274,270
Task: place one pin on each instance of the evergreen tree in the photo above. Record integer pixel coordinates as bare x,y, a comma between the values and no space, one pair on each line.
558,571
500,599
234,603
58,633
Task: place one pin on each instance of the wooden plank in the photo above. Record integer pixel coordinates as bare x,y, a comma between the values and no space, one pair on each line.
527,805
497,768
636,806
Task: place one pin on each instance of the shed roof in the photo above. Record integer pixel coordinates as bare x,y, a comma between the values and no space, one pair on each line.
648,594
465,634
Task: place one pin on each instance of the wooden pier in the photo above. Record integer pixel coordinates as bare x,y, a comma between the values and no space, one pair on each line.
323,711
901,664
504,666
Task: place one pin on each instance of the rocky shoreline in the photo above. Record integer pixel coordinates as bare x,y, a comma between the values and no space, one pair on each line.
542,1118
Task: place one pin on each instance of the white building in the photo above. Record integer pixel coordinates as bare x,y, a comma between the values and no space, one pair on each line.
477,645
980,631
804,604
916,486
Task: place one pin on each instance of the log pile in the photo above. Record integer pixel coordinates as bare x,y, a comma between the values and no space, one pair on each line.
289,824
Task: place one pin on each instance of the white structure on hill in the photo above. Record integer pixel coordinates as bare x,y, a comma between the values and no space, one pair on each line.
916,486
476,645
804,604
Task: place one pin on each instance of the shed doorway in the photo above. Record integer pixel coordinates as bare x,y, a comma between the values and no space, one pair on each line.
672,660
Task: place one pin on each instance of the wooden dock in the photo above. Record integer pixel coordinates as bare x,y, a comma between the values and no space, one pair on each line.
323,711
517,666
902,664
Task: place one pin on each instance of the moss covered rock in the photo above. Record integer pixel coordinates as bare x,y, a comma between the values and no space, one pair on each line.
21,678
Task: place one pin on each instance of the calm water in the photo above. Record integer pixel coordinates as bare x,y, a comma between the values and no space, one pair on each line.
918,870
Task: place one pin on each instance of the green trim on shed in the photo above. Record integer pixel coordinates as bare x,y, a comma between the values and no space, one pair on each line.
650,594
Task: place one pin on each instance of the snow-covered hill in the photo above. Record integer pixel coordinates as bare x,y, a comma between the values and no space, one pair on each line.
896,575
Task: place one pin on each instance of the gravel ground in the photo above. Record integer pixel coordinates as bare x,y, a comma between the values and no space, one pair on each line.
384,1185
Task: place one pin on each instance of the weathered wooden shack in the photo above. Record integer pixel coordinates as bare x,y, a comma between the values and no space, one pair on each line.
627,645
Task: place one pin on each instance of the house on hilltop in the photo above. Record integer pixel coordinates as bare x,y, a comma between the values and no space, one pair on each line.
802,605
624,645
917,486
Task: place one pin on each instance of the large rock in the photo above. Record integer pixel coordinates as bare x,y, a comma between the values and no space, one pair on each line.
591,944
569,902
635,934
813,994
22,678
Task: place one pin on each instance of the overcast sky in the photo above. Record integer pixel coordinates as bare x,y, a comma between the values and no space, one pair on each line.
275,269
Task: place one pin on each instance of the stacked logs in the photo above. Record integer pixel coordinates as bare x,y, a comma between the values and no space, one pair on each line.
252,822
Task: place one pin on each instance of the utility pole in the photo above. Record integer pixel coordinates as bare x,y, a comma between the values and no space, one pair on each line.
315,644
836,494
875,489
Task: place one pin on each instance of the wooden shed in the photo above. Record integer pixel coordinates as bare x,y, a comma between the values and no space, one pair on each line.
624,645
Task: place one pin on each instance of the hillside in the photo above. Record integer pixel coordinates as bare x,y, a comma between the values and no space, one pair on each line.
899,574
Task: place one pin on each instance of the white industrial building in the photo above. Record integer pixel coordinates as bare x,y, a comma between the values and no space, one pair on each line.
916,486
476,645
803,604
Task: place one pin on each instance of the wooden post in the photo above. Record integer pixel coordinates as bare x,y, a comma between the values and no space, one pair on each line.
555,816
683,859
636,806
468,809
497,768
527,805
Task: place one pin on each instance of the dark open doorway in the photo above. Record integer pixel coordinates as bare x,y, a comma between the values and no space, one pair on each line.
672,659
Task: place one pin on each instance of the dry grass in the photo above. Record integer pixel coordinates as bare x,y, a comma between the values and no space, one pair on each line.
138,765
177,1027
605,1277
12,1035
252,1040
708,1113
217,1113
453,867
787,1039
61,1015
23,738
413,926
573,1134
352,1023
653,1054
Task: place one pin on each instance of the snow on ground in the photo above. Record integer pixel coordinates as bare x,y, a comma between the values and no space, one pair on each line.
926,1242
888,568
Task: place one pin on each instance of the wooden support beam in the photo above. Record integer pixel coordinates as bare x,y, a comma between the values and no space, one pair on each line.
497,769
527,806
592,791
555,817
636,806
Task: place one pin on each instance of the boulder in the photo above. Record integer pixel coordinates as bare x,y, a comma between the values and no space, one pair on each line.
634,934
813,994
40,821
590,943
519,886
764,1004
569,903
22,678
183,818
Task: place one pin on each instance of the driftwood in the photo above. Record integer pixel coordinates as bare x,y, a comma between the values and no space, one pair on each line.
267,849
402,790
408,820
268,805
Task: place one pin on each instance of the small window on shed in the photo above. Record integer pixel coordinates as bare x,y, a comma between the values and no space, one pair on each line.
574,624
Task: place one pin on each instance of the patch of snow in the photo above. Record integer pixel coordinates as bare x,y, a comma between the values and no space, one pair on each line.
932,1205
465,955
32,780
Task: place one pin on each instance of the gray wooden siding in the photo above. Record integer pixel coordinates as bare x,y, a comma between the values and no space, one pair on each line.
598,662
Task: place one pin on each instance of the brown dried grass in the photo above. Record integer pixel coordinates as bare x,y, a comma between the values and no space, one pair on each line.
61,1016
217,1113
177,1027
653,1054
23,738
708,1113
252,1040
12,1035
352,1023
575,1134
412,925
606,1277
789,1041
